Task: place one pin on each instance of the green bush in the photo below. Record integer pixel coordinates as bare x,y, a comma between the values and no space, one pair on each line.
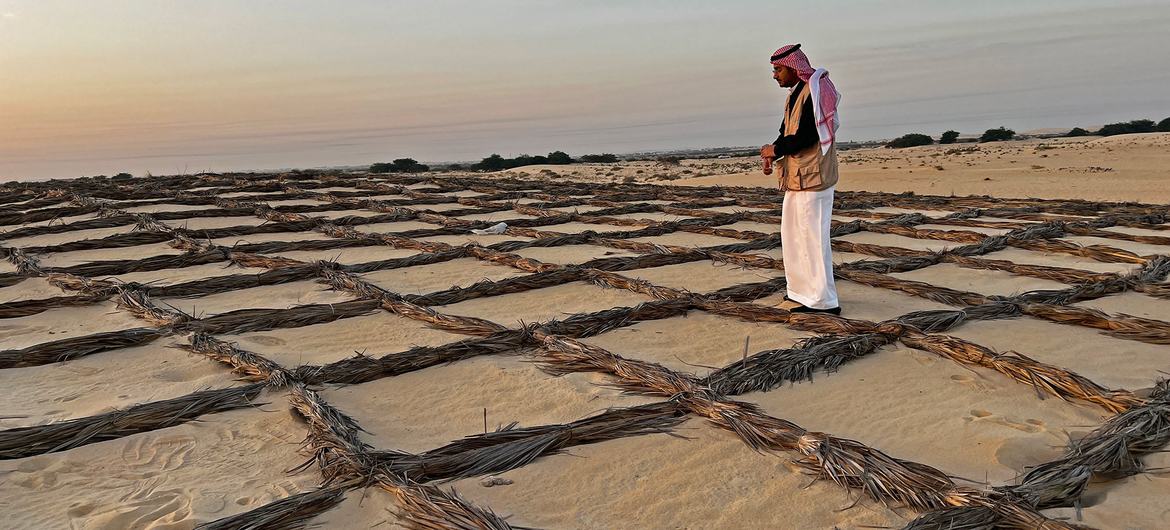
1164,125
1077,131
399,165
1129,127
559,158
949,137
497,162
997,135
604,158
910,140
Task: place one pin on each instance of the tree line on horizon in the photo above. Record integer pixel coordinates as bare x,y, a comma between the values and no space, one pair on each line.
495,162
1002,133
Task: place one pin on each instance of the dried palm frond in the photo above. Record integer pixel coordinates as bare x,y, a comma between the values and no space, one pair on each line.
290,513
72,348
23,442
362,368
769,369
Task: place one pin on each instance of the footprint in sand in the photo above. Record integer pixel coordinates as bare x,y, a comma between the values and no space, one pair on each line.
158,509
1028,425
162,453
266,340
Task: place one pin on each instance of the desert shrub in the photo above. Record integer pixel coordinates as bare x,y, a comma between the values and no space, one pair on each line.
997,135
496,162
910,140
604,158
1129,127
559,158
399,165
949,137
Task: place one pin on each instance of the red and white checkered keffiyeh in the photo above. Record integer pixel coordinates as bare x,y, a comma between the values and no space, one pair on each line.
824,94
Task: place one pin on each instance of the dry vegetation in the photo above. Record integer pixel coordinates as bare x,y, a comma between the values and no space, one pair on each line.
386,382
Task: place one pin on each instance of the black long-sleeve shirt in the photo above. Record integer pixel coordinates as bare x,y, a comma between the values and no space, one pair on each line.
806,132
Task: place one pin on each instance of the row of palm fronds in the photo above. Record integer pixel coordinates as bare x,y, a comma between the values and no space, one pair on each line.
336,448
846,462
23,442
71,348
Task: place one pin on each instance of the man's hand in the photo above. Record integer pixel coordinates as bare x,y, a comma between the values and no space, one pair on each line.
768,151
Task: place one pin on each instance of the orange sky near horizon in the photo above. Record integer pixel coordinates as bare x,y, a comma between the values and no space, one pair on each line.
165,87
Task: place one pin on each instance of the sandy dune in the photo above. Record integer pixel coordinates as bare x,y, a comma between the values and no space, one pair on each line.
623,412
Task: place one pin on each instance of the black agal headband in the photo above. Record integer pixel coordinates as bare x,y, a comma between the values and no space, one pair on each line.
785,53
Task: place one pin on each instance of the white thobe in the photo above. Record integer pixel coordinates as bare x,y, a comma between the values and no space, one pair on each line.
808,254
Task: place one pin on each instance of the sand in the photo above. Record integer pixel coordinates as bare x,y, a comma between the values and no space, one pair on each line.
335,214
577,228
376,334
688,239
64,323
423,279
168,207
229,241
105,381
503,215
921,407
1139,501
838,256
348,255
1135,166
581,208
651,216
1131,303
1141,249
863,302
1109,361
46,240
30,289
279,296
171,478
572,254
709,479
1031,257
76,257
541,305
429,408
294,202
206,223
478,239
753,226
969,422
952,228
696,342
184,274
894,240
440,207
982,281
363,509
64,220
399,226
702,276
736,209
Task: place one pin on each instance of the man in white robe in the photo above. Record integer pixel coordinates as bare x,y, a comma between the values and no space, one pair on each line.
806,154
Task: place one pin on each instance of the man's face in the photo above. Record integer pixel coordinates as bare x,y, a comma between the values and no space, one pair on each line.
785,76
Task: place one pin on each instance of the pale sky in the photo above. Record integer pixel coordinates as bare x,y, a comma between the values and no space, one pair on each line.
102,86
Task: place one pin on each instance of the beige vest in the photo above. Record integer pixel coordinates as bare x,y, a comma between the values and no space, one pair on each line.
807,170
